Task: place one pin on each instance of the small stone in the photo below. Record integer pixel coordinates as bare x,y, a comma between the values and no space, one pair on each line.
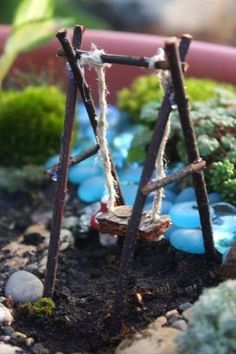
180,325
70,222
171,313
5,315
187,314
66,239
159,341
29,342
19,337
174,318
39,349
24,286
184,306
8,330
159,322
9,349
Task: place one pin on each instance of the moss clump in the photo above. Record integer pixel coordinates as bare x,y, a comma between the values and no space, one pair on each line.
212,326
41,308
147,88
30,125
223,178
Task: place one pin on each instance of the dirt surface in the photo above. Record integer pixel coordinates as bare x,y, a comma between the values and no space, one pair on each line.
163,277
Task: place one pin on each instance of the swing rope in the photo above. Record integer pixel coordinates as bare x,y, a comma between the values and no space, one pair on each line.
93,58
164,77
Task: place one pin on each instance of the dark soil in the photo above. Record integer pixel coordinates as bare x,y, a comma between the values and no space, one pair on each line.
85,289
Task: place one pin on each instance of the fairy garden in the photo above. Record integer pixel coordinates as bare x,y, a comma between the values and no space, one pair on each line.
116,219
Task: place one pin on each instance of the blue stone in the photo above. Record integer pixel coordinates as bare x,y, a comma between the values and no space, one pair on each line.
129,192
92,189
170,196
223,240
166,206
225,223
186,215
86,169
221,209
214,198
187,194
131,174
168,233
188,240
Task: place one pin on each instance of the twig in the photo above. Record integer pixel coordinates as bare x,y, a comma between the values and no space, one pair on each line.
61,186
191,145
86,97
74,160
188,170
130,240
122,59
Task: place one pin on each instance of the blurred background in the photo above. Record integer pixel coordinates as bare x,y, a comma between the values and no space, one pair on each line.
211,20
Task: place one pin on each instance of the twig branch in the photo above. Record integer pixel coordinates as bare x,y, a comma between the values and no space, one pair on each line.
130,240
61,186
74,160
86,97
188,170
191,145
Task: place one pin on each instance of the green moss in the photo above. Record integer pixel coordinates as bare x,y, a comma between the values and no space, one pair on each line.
41,308
30,125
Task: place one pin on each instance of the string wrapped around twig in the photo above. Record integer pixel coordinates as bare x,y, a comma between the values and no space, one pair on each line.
164,78
93,58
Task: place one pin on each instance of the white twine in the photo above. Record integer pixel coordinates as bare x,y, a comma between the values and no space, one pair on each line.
163,76
93,58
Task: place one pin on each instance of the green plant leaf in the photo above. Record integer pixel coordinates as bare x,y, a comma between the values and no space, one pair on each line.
32,34
31,10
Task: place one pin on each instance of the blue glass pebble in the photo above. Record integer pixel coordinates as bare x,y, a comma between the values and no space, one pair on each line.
92,189
166,206
86,169
222,208
170,196
186,215
187,194
188,240
214,198
225,223
223,240
170,231
129,192
131,174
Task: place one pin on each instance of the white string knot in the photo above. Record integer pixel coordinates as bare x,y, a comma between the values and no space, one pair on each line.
160,56
93,57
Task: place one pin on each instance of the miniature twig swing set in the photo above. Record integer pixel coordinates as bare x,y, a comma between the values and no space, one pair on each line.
123,220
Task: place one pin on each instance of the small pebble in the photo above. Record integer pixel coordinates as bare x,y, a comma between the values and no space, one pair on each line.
184,306
159,322
180,324
187,314
70,222
174,318
39,349
5,315
9,349
171,313
29,341
66,239
24,286
19,337
8,330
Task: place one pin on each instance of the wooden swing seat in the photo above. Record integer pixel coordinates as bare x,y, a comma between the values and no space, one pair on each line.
116,223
